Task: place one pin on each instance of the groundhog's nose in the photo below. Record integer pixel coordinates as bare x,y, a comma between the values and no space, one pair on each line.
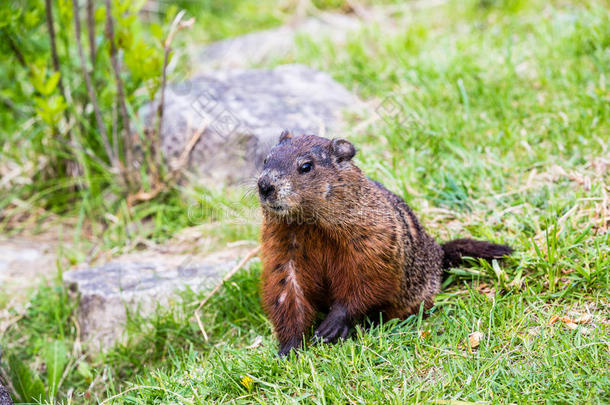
265,188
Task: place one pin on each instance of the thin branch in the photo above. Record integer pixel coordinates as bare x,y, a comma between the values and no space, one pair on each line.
115,135
15,49
174,175
145,195
226,278
176,26
91,27
120,93
359,10
49,11
90,89
158,185
186,153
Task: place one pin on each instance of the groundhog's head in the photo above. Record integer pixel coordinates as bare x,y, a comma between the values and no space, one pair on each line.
301,173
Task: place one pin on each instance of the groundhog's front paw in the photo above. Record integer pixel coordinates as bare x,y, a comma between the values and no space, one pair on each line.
335,326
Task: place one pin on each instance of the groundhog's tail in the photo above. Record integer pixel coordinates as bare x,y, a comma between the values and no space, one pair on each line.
455,250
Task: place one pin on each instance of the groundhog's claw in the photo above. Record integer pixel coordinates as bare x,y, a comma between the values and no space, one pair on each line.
287,347
335,326
285,350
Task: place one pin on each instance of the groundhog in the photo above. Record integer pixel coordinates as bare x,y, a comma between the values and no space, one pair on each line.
338,243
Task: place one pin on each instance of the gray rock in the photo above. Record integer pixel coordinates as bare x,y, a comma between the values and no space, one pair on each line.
262,46
5,397
242,113
109,291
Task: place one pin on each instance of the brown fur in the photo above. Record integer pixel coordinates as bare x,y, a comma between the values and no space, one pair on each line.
334,241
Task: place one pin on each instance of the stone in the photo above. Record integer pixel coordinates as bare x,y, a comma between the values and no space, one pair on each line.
137,284
240,115
5,396
263,46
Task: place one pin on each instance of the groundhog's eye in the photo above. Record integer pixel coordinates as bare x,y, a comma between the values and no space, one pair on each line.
305,167
265,161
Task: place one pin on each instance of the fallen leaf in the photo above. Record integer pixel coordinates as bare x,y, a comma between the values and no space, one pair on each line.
573,322
569,324
586,318
256,343
424,334
486,290
474,339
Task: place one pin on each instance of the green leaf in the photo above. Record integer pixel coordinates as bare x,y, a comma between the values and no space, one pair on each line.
500,273
56,358
84,369
157,31
65,12
28,385
51,84
136,5
37,77
100,15
50,109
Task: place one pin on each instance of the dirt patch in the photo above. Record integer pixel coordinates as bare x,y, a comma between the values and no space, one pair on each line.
24,262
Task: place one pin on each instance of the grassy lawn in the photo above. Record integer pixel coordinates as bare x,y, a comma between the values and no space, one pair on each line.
492,120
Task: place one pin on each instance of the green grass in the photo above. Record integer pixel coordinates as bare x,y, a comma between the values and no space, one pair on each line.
520,359
502,133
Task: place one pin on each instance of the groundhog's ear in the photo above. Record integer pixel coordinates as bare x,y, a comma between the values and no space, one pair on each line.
343,150
285,135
